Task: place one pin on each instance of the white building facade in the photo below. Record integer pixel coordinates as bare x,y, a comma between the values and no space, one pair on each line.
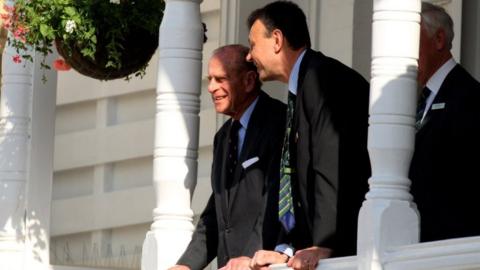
102,192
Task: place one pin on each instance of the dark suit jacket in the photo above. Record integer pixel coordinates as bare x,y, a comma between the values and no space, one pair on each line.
444,168
248,220
332,163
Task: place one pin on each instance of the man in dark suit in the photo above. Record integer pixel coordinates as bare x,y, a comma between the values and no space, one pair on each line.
240,217
444,166
328,146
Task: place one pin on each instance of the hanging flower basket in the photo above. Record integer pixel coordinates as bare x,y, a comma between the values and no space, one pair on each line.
138,48
102,39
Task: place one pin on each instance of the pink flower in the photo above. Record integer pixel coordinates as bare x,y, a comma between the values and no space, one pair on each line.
8,8
7,21
5,16
61,65
20,33
17,59
7,25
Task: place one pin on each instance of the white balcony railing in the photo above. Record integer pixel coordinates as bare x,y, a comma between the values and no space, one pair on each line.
458,254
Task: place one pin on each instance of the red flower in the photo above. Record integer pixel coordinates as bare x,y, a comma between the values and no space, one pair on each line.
61,65
17,59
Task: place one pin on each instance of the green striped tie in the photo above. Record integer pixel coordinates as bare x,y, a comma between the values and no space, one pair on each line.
285,204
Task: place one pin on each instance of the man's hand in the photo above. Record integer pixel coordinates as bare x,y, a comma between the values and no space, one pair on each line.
179,267
307,259
239,263
263,258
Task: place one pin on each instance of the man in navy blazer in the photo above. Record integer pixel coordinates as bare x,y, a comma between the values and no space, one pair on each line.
240,217
328,146
444,168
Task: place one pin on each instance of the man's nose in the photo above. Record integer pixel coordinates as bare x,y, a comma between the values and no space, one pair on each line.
249,57
211,86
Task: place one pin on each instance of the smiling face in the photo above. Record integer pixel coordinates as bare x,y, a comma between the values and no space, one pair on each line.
262,51
230,90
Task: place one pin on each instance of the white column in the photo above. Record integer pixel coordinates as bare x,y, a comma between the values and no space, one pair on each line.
176,133
15,132
388,217
40,167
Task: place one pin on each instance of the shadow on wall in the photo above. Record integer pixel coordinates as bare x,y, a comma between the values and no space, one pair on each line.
37,236
391,148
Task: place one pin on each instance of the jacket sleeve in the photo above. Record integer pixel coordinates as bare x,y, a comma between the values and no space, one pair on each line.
324,141
325,157
203,246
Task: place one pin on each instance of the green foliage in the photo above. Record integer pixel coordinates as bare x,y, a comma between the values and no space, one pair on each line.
81,24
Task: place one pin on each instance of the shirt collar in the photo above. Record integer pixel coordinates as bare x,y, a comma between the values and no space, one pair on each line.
248,112
293,80
436,81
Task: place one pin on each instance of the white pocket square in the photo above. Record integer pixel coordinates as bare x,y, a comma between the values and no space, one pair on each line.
247,163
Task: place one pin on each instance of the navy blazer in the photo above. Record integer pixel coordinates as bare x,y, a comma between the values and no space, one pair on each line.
444,167
248,220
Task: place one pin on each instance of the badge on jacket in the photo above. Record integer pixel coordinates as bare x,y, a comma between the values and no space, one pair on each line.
438,106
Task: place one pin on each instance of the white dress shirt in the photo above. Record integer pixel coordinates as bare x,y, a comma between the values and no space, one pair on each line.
244,124
436,81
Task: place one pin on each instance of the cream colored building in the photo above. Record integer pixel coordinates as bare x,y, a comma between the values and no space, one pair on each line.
102,193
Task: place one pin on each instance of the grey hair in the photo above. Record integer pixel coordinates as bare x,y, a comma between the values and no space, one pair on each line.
434,18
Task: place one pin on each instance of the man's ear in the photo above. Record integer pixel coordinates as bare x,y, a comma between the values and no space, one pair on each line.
278,39
440,40
249,81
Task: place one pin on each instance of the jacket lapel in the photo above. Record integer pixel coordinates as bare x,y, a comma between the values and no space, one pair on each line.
440,98
221,173
298,105
254,131
431,112
309,56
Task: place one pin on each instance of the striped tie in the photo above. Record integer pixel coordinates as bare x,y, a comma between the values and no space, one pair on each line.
421,106
285,204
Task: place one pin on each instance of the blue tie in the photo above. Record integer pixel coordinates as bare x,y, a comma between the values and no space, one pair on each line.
421,106
286,213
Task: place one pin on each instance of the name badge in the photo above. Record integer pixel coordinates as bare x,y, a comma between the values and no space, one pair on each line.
438,106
